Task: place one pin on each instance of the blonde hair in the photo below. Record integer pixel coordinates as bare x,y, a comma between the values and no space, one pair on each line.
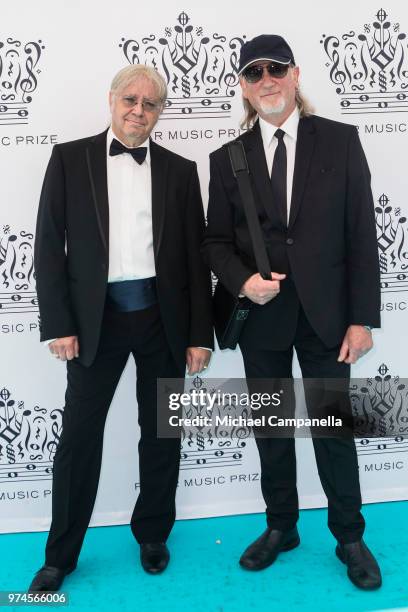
135,71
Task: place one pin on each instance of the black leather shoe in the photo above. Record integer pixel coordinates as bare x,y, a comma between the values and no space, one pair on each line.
48,578
362,568
154,557
265,549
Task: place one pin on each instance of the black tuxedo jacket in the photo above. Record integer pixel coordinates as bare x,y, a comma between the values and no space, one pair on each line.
329,249
72,247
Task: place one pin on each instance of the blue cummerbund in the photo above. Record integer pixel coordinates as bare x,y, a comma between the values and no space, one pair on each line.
127,296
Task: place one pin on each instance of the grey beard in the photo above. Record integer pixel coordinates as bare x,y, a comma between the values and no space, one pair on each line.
274,110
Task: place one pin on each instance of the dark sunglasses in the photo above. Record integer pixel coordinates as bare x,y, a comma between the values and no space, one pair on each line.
254,73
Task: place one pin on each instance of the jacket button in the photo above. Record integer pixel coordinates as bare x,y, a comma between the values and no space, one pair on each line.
289,241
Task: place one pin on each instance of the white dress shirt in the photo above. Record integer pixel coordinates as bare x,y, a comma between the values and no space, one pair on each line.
130,215
270,142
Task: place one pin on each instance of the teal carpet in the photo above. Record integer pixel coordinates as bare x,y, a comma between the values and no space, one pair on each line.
204,574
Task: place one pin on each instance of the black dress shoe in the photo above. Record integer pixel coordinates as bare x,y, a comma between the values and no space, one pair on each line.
48,578
265,549
362,568
154,557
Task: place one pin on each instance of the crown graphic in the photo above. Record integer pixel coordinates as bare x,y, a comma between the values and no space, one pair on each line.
18,79
17,277
392,238
201,71
380,412
370,69
28,439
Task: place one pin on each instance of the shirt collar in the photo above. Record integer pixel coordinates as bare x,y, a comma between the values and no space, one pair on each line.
290,127
110,136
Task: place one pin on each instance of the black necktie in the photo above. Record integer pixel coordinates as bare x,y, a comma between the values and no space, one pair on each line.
278,177
138,153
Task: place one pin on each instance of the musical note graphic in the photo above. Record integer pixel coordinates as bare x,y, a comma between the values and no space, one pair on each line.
225,457
375,446
392,239
13,114
11,303
396,101
26,472
18,79
28,439
196,108
392,282
17,278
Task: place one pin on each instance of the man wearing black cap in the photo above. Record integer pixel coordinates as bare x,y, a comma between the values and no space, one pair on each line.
311,185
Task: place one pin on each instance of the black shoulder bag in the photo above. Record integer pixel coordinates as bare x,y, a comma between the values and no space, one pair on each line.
230,313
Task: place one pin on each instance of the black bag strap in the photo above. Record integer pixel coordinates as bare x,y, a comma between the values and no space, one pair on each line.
241,172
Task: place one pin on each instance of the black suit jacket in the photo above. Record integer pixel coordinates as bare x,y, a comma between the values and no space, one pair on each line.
329,250
72,247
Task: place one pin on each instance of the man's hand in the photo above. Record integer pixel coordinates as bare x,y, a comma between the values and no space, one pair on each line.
197,359
356,343
262,291
65,348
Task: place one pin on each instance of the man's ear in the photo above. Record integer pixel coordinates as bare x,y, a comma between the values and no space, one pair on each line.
296,74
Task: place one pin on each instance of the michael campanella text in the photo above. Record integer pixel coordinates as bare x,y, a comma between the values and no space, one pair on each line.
262,421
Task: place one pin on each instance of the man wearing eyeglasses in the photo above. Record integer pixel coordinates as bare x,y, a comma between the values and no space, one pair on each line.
311,185
119,272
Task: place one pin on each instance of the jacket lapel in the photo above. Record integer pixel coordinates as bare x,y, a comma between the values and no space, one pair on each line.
159,165
304,150
96,163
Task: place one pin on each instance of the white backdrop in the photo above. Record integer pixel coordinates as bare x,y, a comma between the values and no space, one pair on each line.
56,62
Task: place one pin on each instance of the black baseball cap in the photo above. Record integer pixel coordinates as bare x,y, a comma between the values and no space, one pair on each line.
265,47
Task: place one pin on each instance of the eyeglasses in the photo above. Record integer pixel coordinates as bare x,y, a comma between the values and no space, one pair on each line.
254,73
148,105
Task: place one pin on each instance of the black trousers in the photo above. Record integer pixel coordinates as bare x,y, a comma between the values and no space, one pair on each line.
78,457
336,458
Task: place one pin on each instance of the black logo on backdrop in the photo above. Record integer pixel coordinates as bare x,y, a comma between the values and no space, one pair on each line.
370,68
28,440
392,237
209,446
18,79
381,406
17,278
201,71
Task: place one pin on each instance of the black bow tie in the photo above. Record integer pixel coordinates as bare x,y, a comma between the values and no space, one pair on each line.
138,153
